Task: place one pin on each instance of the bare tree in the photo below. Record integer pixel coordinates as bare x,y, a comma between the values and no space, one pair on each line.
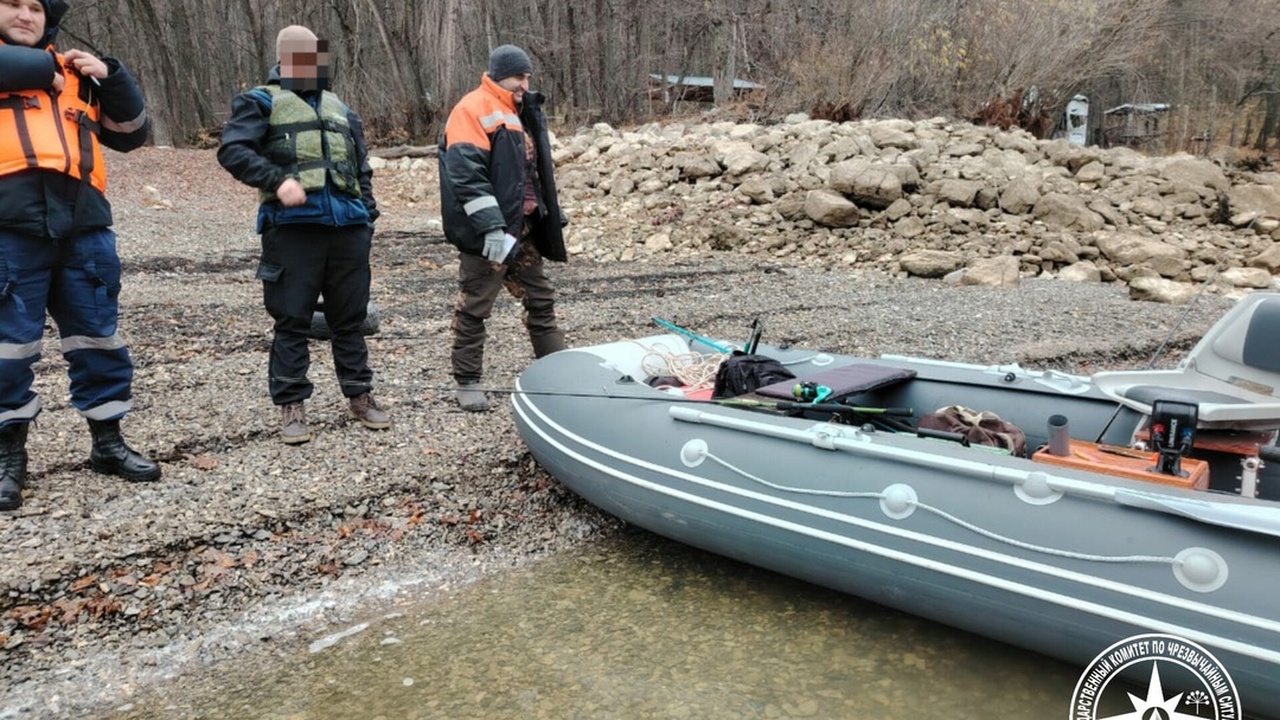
403,64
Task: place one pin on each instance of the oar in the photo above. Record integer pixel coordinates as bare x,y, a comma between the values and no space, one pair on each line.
693,336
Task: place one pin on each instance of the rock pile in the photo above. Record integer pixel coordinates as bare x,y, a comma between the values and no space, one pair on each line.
933,198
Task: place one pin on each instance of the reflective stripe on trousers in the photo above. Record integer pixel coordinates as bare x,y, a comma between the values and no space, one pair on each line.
75,281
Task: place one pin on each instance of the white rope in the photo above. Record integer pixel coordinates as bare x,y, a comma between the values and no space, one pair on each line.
695,371
952,518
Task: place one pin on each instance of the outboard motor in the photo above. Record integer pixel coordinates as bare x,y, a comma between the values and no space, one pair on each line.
1173,431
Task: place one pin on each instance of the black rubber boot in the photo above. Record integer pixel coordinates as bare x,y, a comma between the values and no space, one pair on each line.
112,456
13,465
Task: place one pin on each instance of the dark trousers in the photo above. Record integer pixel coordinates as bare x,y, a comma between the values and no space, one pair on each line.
77,282
478,286
300,264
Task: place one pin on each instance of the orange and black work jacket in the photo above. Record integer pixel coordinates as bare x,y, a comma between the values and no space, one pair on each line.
52,176
484,168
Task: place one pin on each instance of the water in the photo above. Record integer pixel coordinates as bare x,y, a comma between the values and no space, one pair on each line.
638,627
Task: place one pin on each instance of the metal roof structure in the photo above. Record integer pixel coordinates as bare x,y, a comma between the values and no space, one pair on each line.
1138,107
703,81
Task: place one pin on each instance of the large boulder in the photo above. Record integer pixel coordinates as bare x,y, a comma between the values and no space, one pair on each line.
1130,250
1020,195
694,165
831,209
1250,277
1257,200
999,271
874,185
958,193
1268,259
1153,289
931,263
739,158
1067,212
1193,172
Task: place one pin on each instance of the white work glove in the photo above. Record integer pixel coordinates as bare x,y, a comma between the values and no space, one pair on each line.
497,244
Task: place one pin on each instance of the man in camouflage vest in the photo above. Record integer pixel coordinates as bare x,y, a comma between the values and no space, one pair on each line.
304,150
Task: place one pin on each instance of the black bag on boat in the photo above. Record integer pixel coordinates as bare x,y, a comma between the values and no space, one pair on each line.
741,373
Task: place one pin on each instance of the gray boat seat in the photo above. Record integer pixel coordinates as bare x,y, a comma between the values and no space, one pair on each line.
1232,374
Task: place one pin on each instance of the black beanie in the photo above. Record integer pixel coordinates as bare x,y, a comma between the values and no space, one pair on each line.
54,10
508,60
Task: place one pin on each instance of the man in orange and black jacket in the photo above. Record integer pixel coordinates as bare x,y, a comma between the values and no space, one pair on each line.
57,251
500,209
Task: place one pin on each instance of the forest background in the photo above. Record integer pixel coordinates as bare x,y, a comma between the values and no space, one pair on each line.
403,63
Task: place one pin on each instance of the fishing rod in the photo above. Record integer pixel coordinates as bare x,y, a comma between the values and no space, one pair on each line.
725,402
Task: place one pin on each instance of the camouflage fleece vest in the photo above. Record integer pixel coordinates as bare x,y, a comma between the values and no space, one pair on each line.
312,145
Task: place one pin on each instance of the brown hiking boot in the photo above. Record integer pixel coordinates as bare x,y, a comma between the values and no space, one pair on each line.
293,424
365,409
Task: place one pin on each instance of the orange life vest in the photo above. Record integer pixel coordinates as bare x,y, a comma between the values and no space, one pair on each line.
53,131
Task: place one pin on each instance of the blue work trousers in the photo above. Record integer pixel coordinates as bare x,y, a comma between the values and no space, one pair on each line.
76,281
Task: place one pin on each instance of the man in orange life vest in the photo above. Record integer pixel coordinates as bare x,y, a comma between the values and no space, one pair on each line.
57,252
500,209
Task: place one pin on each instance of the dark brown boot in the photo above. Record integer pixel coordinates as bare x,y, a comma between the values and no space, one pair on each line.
293,424
13,465
544,345
365,409
112,456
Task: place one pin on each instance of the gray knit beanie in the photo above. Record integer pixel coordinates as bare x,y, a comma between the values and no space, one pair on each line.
508,60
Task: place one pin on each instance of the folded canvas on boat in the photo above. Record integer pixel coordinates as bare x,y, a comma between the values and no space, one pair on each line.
844,382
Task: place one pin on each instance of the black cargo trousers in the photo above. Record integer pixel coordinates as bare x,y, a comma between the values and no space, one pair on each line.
300,264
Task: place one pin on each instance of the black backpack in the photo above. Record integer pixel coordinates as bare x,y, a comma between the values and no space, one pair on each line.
741,373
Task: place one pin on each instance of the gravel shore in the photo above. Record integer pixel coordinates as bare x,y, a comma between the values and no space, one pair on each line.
107,587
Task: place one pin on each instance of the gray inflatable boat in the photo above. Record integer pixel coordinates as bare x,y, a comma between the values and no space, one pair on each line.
1142,504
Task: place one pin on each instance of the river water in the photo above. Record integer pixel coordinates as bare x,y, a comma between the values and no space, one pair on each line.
636,627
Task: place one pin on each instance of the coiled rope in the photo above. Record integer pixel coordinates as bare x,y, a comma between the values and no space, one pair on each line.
695,371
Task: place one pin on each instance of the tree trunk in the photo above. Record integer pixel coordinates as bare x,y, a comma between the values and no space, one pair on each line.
161,105
1270,121
723,52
